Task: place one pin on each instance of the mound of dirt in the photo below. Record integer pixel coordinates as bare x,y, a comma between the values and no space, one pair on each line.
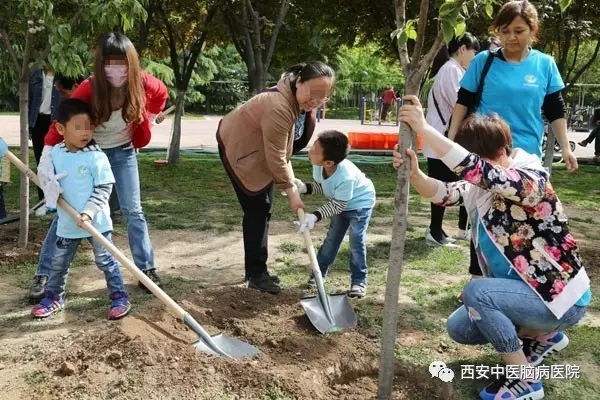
149,355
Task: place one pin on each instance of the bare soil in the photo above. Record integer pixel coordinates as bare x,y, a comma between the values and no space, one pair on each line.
77,354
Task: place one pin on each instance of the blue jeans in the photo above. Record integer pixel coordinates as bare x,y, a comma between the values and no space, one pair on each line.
495,308
64,253
357,222
123,162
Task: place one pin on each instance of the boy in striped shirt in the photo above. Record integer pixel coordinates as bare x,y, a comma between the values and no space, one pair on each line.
86,181
351,197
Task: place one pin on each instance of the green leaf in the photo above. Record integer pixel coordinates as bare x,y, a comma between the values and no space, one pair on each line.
448,29
489,10
564,4
403,38
460,29
448,7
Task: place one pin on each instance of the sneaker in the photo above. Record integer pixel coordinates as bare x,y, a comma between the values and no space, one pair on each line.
441,241
264,283
151,273
448,238
463,234
37,290
359,291
583,143
116,217
120,306
542,346
48,306
513,389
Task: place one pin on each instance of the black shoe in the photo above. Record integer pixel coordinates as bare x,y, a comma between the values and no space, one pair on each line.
37,290
274,278
151,273
116,217
265,283
583,143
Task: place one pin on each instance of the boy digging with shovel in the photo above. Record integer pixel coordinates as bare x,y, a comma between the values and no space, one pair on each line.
351,199
86,183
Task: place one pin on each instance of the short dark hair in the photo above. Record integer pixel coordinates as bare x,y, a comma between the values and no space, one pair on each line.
308,71
514,9
69,108
335,146
68,82
485,135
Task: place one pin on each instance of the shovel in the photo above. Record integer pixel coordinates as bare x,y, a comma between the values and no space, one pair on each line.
327,312
218,345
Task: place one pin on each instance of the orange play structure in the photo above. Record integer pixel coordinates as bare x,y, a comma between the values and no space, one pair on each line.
377,140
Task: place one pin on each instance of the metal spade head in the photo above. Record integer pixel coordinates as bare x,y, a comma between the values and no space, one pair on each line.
231,347
341,311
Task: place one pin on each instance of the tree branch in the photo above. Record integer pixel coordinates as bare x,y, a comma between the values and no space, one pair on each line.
425,63
584,67
421,28
400,9
248,48
257,40
10,49
271,48
229,19
568,73
24,73
172,46
197,46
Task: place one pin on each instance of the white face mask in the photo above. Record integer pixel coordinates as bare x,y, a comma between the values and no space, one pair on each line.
116,75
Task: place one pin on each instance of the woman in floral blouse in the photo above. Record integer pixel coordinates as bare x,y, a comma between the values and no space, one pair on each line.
534,284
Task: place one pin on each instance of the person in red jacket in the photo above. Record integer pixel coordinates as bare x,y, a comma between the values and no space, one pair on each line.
388,98
124,101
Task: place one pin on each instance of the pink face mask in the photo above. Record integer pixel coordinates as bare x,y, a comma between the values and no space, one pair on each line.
116,75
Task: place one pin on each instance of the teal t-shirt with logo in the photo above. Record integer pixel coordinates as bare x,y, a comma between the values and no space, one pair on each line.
516,92
85,169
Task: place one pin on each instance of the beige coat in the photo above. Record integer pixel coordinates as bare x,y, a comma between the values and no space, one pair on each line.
257,139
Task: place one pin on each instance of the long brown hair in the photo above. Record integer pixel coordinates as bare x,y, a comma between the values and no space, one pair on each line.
117,45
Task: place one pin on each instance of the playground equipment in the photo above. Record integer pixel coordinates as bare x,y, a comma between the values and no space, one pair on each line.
376,140
372,115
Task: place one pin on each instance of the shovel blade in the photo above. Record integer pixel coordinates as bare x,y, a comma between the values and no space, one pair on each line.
342,312
230,346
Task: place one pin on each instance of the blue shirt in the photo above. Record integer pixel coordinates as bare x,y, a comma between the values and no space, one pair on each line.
499,266
347,183
516,91
85,169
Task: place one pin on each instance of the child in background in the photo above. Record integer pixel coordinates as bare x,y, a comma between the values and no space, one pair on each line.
86,185
351,199
4,179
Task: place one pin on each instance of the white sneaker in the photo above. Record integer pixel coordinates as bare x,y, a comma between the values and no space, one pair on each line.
463,234
434,242
40,212
359,291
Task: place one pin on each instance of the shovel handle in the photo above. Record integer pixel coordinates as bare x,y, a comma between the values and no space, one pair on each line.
89,228
309,246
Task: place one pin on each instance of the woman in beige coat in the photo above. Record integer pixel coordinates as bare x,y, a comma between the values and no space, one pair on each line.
256,142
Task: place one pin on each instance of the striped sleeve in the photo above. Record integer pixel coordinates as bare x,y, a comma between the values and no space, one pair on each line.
330,208
314,188
98,199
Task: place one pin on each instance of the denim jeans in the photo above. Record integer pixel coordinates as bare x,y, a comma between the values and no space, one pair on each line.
2,205
64,253
356,222
123,162
495,308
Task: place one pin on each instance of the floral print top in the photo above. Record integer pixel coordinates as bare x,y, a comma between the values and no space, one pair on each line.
523,216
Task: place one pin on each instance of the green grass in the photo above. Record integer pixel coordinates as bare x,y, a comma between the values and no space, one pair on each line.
197,195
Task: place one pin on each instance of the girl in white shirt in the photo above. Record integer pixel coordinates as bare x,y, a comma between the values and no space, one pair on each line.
448,68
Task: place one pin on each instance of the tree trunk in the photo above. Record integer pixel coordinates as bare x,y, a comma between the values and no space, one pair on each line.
256,78
549,150
175,144
24,194
407,139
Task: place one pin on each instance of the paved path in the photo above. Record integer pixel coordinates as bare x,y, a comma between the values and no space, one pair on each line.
200,134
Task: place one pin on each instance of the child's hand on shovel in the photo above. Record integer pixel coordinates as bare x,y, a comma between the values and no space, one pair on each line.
308,223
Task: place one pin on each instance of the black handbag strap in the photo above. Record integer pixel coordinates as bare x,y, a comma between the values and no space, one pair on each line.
437,107
484,72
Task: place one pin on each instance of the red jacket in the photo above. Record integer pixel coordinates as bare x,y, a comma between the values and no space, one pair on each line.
388,96
156,98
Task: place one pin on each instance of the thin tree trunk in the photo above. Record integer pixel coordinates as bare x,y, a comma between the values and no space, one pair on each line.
407,139
24,180
175,144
